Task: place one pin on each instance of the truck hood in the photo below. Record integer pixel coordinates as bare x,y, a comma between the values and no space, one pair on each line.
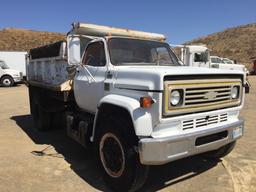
11,72
151,77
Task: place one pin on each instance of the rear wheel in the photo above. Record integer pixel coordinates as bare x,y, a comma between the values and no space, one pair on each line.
7,81
221,152
119,161
42,119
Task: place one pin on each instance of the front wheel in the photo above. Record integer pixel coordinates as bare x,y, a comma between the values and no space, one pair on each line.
221,152
7,81
120,163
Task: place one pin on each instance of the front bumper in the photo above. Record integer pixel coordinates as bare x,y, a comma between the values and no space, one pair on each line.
17,79
157,151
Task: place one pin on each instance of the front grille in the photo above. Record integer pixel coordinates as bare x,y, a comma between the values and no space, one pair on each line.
204,121
202,95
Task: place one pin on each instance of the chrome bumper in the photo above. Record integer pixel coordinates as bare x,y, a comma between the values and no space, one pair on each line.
17,79
157,151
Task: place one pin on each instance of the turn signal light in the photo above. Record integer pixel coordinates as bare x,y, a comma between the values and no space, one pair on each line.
146,102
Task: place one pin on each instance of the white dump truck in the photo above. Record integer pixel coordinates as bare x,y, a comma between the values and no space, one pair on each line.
126,94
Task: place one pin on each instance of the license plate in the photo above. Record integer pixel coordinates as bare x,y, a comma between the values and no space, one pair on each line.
237,132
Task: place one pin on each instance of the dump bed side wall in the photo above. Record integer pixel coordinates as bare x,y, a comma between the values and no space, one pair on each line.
47,67
50,72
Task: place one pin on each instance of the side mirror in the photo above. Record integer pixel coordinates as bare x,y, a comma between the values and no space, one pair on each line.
74,55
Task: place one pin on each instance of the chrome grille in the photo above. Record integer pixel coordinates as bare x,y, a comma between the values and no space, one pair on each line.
207,95
204,121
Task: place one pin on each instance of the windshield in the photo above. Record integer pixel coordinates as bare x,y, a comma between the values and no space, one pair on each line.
216,60
140,52
227,61
3,65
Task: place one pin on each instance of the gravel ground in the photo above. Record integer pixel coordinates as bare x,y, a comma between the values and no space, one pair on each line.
66,166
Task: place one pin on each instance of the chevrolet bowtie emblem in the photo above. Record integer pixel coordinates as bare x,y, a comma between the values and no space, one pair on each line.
210,95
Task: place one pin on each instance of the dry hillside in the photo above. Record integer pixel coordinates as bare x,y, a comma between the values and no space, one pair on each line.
238,43
22,40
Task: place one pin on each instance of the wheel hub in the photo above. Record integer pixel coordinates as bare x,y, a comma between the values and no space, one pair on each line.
7,82
112,155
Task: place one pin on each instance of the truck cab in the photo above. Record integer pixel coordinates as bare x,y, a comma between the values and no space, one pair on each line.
195,55
8,77
125,93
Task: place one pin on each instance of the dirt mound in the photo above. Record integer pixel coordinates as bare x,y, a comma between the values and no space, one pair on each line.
23,40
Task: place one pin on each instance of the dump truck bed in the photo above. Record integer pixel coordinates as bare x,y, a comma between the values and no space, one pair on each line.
47,67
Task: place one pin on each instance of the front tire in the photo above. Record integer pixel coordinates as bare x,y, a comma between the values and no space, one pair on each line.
7,81
221,152
119,161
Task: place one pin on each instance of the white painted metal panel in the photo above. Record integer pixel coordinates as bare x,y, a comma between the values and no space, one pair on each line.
50,72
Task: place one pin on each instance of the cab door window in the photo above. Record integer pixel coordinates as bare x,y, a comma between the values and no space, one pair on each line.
95,55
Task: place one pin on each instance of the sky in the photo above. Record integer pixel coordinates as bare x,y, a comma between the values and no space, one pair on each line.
179,20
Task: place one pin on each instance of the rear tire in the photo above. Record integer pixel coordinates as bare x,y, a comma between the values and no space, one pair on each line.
42,119
7,81
221,152
120,164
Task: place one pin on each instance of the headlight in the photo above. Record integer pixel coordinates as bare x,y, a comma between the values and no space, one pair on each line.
175,97
234,92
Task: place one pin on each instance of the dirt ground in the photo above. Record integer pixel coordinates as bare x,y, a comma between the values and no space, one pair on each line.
66,166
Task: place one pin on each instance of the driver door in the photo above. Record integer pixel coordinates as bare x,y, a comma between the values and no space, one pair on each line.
90,77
